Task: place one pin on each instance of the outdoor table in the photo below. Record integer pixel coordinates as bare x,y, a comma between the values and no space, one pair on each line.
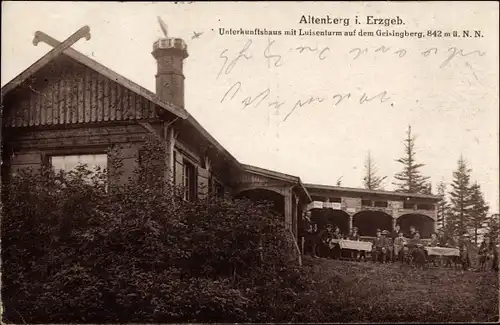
442,251
353,244
356,245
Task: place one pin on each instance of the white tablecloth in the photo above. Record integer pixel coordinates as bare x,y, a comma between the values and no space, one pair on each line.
353,244
442,251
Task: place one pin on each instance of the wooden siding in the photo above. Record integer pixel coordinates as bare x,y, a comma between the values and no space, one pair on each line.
75,137
67,92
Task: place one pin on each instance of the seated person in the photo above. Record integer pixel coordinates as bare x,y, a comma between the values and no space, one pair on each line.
388,244
335,247
434,240
354,235
399,245
324,237
433,243
379,249
354,254
416,250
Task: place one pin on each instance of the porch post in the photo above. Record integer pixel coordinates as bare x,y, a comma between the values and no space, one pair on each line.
288,211
350,222
168,135
296,218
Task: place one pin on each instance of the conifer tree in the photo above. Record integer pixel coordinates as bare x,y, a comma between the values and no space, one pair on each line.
494,226
371,180
479,210
442,206
410,179
460,198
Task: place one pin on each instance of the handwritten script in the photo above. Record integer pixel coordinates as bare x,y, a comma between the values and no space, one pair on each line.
256,99
277,59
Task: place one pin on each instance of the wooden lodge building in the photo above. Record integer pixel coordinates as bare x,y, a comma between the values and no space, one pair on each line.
69,108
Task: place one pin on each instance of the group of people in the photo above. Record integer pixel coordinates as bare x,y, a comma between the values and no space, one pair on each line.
395,246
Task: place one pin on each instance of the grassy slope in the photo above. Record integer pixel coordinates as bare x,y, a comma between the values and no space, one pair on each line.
357,292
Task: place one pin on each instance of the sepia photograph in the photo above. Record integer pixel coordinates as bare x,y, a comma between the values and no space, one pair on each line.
249,162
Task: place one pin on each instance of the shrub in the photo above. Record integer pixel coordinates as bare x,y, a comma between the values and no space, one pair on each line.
75,251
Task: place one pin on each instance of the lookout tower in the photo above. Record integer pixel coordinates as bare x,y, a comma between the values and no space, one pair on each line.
170,53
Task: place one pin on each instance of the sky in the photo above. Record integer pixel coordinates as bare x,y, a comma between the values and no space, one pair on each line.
283,104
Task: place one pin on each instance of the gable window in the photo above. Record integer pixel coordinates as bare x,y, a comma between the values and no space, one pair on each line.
189,180
68,163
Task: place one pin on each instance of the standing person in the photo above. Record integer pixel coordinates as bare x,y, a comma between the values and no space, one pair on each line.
495,255
354,236
395,232
464,251
309,232
413,232
486,254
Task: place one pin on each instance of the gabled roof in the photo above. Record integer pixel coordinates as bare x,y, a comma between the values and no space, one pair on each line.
132,86
279,176
365,191
85,60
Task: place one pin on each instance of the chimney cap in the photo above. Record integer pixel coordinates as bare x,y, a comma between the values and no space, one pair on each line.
170,43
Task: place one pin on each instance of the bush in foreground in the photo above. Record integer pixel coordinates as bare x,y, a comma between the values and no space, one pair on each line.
75,251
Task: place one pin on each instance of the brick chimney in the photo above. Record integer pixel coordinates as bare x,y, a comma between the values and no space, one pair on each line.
169,54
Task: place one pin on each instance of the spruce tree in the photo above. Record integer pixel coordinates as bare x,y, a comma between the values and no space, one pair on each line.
479,210
494,227
371,181
410,179
460,198
442,206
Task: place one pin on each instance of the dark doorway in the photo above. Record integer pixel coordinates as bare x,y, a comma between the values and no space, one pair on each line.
369,221
421,222
276,200
338,218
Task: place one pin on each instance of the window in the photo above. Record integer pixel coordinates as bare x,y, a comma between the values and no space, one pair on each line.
189,181
408,205
425,207
70,162
381,204
218,188
367,203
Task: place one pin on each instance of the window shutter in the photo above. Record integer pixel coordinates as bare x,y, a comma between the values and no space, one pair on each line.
179,170
203,177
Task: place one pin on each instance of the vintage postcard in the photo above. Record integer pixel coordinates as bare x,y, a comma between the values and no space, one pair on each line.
237,162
